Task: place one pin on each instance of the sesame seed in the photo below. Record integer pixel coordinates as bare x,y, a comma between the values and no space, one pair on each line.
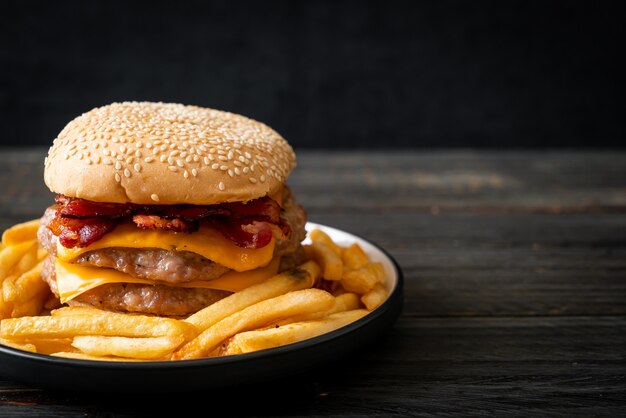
237,171
148,159
214,166
222,157
107,161
252,180
138,154
163,158
154,197
230,172
173,168
106,152
185,174
118,178
223,167
262,178
137,167
180,163
206,160
118,166
221,186
194,172
127,172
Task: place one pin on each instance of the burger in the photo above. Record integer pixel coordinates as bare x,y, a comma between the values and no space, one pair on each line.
166,208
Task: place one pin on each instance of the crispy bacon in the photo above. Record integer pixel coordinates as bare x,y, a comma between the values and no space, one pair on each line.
157,222
79,232
80,222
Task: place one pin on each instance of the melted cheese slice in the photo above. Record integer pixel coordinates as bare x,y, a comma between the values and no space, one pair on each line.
207,242
74,279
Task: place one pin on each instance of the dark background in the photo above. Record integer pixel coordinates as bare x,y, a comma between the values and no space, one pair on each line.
326,74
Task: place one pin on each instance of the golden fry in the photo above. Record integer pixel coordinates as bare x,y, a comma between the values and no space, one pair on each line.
354,257
364,279
332,266
249,341
139,348
317,235
302,277
106,323
374,297
26,231
255,316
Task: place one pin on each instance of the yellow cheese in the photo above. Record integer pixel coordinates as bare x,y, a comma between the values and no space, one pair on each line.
207,242
74,279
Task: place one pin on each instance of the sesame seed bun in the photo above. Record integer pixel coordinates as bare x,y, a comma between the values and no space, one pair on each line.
165,153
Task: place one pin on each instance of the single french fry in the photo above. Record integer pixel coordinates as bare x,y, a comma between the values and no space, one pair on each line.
374,297
83,356
317,235
332,266
18,233
364,279
255,316
138,348
302,277
354,257
249,341
19,346
107,323
11,255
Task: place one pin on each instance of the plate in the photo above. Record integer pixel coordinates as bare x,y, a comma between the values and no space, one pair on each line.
45,371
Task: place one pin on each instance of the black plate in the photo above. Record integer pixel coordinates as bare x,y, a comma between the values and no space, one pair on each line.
160,376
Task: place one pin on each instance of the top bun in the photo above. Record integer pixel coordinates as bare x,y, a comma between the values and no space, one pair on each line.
164,153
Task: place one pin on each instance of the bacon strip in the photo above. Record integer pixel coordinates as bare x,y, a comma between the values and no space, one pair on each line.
80,233
80,222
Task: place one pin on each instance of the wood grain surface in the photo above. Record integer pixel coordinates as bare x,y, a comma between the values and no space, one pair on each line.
515,293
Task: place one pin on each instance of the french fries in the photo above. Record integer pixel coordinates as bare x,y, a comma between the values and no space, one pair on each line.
146,348
22,291
256,316
105,323
334,286
246,342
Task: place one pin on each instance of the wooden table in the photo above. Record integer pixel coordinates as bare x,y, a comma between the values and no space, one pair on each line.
515,296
